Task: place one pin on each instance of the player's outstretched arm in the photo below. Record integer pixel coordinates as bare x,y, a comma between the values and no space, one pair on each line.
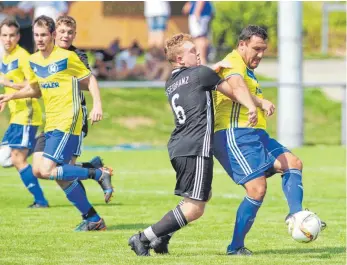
30,91
236,89
265,105
96,112
18,86
92,84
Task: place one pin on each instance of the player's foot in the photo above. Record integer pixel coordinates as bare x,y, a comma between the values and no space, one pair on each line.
106,184
140,248
242,251
86,225
160,245
96,162
37,205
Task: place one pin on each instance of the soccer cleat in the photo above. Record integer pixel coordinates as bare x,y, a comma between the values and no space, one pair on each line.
86,225
105,183
160,245
96,162
140,248
242,251
37,205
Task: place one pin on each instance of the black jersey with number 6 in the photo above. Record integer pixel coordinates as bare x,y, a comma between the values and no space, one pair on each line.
189,94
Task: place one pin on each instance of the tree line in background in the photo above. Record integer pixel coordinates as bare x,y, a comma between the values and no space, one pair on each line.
231,17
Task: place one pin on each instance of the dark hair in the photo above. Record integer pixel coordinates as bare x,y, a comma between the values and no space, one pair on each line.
44,21
10,22
252,30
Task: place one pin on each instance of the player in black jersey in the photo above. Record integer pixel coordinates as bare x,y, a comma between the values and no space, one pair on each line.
190,146
65,34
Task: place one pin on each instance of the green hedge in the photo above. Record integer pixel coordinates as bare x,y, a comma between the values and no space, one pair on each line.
231,17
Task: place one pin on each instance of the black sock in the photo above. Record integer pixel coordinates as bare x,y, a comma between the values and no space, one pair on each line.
91,173
85,165
171,222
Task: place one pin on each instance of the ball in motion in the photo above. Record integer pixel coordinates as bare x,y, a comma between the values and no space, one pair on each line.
304,226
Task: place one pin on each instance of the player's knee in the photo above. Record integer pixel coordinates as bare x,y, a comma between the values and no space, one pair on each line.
257,192
45,172
296,163
193,211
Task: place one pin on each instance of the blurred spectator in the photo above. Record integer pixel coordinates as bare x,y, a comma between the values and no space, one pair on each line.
200,17
10,8
52,9
156,67
105,60
157,14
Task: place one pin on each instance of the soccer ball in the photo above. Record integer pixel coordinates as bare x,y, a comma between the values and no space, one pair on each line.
5,156
304,226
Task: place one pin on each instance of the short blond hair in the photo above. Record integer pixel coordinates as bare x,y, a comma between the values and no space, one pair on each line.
66,20
173,45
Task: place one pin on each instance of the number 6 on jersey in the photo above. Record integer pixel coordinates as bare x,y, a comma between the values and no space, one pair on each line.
179,111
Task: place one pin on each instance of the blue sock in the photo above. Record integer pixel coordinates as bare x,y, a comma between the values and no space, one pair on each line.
293,189
244,220
78,197
32,184
71,172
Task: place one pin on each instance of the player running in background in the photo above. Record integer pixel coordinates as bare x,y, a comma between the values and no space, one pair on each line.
248,154
65,35
55,74
26,115
190,146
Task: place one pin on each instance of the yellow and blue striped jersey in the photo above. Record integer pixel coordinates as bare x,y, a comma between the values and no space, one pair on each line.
229,114
58,77
26,111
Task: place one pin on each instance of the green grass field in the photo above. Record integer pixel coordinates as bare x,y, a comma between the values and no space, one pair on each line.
144,184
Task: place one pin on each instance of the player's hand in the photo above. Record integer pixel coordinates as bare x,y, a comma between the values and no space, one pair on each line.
221,64
268,107
252,117
5,98
96,114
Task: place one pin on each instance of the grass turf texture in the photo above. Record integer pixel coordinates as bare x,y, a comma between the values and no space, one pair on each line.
144,116
144,184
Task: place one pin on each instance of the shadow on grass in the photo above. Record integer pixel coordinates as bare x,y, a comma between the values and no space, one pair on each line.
93,204
323,250
134,227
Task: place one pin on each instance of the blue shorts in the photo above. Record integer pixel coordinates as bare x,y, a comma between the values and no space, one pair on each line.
59,146
246,153
20,136
158,23
78,150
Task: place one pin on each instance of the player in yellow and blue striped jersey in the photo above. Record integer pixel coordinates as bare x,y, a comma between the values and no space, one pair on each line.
55,74
249,154
26,114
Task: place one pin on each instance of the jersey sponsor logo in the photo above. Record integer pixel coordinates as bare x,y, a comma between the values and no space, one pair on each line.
47,85
5,68
51,69
177,84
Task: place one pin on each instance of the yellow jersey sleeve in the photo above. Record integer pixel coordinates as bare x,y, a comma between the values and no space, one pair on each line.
236,68
77,67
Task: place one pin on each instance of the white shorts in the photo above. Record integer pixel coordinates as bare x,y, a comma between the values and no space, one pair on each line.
199,28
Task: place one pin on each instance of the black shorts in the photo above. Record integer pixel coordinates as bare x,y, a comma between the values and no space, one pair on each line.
40,143
193,176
